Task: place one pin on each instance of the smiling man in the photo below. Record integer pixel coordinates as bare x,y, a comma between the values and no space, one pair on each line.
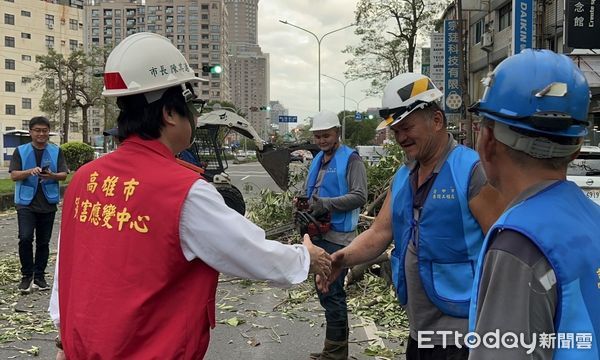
437,210
36,167
337,188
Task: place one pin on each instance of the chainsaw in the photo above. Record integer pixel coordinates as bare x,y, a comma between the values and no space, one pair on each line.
305,221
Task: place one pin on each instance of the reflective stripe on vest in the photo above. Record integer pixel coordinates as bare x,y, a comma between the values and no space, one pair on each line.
25,190
449,236
334,184
569,237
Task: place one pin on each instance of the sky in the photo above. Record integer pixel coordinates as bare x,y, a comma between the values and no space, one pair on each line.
294,59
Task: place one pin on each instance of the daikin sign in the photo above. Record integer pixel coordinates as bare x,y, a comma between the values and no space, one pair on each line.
522,25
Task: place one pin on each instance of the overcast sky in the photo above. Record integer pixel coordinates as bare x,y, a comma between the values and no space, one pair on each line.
293,54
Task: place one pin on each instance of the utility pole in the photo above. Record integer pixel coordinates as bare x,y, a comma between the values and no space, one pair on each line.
462,60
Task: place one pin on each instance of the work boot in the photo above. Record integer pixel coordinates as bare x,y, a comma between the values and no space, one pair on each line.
333,350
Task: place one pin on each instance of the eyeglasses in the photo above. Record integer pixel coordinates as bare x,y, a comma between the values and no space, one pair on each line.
40,130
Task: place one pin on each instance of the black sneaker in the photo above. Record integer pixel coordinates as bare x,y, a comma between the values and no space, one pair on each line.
40,284
25,285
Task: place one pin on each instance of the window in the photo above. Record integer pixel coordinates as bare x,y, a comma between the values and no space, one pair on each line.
477,31
26,103
95,13
25,13
9,19
73,25
25,124
9,128
25,80
73,45
10,110
9,86
50,83
9,41
9,64
50,21
25,36
505,14
26,57
49,42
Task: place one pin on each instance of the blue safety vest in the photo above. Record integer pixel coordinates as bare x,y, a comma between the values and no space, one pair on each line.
334,184
565,225
25,190
449,237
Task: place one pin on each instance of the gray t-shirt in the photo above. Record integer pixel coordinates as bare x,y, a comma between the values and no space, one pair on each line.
39,203
517,292
356,176
422,314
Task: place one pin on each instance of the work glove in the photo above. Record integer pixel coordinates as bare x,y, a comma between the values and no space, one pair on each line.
316,208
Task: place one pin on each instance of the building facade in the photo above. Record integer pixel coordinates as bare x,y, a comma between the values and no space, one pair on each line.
29,28
249,66
488,41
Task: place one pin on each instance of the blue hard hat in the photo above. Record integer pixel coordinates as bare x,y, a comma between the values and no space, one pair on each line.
539,91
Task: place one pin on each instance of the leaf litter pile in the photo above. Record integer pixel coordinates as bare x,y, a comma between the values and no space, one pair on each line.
21,316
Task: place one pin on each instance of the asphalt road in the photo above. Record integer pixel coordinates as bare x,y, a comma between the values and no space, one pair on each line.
255,321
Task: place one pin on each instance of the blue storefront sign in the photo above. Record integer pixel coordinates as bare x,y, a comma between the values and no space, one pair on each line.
452,70
522,25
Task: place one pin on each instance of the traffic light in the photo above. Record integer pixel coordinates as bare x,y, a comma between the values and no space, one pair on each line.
215,69
265,108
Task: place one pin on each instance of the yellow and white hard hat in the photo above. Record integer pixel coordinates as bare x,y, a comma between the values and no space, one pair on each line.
404,94
144,63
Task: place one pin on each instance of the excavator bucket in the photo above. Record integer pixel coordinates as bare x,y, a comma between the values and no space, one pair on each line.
276,162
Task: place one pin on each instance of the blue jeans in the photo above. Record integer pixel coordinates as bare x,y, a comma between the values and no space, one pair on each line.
41,224
334,302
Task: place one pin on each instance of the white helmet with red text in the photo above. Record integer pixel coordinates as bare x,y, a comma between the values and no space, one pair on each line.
144,63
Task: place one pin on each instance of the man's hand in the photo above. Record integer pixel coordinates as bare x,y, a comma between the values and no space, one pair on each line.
316,207
337,265
60,355
320,261
35,171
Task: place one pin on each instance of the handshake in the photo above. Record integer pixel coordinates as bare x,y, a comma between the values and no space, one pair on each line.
326,267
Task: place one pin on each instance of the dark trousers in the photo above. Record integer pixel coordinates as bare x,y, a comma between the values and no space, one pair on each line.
334,302
41,224
436,353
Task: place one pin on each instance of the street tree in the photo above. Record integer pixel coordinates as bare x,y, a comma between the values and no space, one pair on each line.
389,31
67,73
359,132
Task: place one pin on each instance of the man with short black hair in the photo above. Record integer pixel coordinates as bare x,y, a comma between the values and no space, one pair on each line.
36,167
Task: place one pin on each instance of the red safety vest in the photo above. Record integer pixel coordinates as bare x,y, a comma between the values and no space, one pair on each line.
126,290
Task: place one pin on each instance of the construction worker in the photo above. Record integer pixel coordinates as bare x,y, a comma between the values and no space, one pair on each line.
436,211
143,239
538,279
337,186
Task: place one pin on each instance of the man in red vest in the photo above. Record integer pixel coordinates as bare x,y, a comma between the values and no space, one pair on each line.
143,239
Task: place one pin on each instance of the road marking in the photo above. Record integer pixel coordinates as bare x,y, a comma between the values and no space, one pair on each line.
244,178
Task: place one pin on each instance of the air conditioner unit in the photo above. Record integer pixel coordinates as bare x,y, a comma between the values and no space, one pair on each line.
487,39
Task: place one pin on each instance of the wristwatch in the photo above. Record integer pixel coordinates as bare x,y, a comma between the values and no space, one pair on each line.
58,343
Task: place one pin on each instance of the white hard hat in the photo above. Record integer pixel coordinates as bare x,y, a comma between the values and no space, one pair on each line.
325,120
404,94
143,63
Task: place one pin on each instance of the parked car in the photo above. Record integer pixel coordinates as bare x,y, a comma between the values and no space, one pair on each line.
301,156
585,172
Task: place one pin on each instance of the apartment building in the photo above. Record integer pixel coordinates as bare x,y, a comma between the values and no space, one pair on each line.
197,27
28,29
249,66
